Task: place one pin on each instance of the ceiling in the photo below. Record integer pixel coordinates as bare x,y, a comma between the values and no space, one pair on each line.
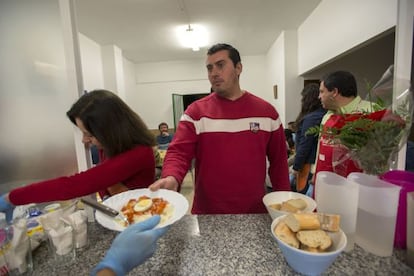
144,29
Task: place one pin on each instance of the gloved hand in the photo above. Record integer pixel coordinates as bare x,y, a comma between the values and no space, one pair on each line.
132,247
6,207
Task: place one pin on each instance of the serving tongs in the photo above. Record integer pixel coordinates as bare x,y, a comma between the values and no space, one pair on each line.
104,209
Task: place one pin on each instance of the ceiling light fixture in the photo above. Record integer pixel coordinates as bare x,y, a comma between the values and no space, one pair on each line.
192,36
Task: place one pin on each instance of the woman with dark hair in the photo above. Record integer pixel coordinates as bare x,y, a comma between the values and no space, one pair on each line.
125,153
306,145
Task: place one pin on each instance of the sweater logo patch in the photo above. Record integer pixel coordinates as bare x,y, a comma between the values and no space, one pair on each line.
254,127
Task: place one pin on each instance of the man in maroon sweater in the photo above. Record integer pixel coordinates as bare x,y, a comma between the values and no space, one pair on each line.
229,133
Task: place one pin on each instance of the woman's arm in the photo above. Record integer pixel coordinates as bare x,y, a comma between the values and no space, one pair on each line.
117,189
108,173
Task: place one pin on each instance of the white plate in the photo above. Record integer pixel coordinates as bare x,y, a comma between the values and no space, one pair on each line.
177,200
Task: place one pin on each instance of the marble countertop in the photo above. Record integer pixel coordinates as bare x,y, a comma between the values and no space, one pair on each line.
216,245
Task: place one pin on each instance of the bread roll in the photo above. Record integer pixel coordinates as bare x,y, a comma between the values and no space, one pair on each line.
310,249
293,205
314,239
302,221
298,203
275,206
329,222
286,235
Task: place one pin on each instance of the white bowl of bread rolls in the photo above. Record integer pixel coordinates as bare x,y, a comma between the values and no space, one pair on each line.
283,202
310,242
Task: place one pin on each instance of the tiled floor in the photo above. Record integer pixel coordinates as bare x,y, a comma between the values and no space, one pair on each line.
187,189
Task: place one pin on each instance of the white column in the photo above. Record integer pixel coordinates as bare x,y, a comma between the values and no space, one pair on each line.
113,69
74,72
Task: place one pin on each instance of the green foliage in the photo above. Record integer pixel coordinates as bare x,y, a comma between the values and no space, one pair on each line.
362,132
315,130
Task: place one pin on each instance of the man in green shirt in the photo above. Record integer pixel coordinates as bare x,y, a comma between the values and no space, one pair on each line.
339,95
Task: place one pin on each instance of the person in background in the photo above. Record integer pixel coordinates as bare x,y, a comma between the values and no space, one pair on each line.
339,95
158,163
293,128
125,148
164,138
131,247
409,156
290,144
229,133
310,115
94,154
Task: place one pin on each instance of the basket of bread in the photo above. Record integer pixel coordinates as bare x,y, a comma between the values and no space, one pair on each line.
310,242
284,202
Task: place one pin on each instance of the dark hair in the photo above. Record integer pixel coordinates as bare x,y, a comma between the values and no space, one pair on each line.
162,124
310,101
116,126
289,137
233,53
292,125
342,80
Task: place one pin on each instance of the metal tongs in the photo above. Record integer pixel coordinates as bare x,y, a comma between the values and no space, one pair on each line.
104,209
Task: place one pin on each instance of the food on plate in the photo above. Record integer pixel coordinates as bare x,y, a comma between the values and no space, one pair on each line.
143,205
303,221
292,205
308,231
310,249
276,206
317,240
285,234
329,222
312,221
136,210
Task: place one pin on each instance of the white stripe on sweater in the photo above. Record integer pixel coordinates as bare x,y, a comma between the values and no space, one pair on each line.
205,125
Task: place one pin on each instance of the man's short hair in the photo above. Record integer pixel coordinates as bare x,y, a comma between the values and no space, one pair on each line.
234,55
162,124
344,81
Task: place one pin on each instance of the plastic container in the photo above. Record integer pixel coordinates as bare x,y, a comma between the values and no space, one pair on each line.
51,207
405,180
15,250
335,194
410,229
377,213
4,245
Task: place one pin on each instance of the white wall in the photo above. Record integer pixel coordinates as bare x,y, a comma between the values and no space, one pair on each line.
91,60
281,70
129,77
113,69
36,138
336,26
294,83
253,78
275,73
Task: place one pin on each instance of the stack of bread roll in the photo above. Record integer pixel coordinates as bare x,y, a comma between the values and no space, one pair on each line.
307,231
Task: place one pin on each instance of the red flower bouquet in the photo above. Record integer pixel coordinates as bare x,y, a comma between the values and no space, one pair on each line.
370,139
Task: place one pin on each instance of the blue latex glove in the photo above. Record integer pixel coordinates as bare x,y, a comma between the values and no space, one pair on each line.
132,247
6,207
